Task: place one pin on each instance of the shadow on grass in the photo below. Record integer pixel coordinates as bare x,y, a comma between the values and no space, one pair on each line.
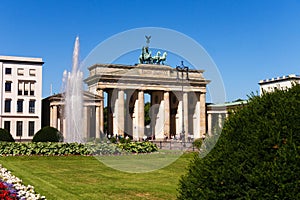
140,163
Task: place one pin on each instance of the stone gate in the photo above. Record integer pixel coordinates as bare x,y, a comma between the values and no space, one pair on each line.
177,103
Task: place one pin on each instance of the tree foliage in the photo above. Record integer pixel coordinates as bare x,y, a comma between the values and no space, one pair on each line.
5,136
256,156
48,134
147,113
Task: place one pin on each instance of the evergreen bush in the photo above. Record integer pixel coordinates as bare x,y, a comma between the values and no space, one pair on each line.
5,136
197,143
256,156
48,134
138,147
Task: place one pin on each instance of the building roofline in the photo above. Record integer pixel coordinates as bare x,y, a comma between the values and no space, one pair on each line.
142,66
85,94
281,78
228,104
19,59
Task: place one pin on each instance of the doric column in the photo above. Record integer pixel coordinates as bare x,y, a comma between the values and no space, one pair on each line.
186,114
202,113
114,109
101,112
64,128
220,120
85,122
51,116
54,116
167,114
209,124
109,113
196,116
179,121
120,112
141,122
97,128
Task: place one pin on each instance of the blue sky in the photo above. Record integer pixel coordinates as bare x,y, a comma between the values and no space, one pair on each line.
248,40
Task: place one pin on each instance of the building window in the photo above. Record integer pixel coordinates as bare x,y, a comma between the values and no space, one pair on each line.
31,106
26,88
30,128
7,105
31,89
8,86
7,70
7,126
20,71
19,128
20,105
32,72
20,88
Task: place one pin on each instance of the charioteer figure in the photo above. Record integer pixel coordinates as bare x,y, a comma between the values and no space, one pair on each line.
146,57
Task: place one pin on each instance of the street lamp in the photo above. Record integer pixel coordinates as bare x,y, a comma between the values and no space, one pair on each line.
183,69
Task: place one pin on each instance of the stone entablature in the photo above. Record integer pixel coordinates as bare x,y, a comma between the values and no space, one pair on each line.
177,103
145,76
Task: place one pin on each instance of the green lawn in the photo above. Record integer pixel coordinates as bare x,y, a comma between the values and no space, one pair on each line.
80,177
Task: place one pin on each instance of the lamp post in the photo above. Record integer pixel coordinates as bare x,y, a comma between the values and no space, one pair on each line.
182,69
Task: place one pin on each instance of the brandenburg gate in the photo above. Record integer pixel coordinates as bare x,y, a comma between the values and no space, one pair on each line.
177,100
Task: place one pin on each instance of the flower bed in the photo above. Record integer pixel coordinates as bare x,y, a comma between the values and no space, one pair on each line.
11,187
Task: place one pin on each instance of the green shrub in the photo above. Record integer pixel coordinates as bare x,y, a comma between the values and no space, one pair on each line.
48,134
113,140
55,148
6,136
138,147
257,155
197,143
124,140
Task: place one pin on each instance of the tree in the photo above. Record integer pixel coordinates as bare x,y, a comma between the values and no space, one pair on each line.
147,113
105,117
256,156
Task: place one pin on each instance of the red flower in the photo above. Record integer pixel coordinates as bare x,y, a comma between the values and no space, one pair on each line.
5,193
2,186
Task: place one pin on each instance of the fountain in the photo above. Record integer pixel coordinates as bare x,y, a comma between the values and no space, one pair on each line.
73,100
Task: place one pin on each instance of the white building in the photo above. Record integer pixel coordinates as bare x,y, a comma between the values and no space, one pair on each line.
21,95
282,83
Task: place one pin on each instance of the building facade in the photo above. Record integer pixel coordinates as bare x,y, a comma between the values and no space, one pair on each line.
218,113
21,95
282,83
177,100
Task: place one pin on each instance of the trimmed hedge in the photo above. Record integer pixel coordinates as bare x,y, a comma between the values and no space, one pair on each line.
138,147
48,134
257,155
55,148
6,136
